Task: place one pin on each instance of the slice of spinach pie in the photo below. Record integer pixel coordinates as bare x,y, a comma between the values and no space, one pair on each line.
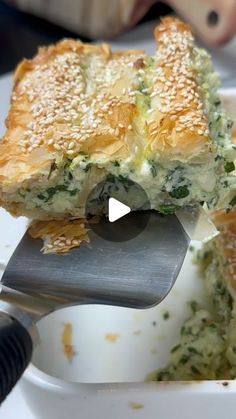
81,114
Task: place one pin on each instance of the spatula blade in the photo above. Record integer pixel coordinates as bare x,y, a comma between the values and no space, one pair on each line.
136,273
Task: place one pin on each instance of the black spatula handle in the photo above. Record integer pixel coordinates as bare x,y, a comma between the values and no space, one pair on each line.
16,349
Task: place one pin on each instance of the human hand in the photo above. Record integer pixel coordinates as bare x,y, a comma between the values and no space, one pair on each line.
214,21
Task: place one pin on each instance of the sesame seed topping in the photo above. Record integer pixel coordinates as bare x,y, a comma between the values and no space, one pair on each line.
175,91
70,105
59,97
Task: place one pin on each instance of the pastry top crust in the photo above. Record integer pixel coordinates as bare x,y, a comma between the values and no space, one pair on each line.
180,123
80,98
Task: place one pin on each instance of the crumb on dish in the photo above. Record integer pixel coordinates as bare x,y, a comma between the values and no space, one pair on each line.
112,337
67,341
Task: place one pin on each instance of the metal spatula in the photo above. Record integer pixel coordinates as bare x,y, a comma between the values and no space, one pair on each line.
135,273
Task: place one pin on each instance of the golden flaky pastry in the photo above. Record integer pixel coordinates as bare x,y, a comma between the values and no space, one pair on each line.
60,236
225,244
81,114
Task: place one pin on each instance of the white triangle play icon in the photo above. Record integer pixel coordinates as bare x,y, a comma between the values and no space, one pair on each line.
116,209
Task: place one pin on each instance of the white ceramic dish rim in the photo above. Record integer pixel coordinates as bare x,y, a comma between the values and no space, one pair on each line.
42,379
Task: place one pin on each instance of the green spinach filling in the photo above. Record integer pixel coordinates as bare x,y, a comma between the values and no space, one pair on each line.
207,346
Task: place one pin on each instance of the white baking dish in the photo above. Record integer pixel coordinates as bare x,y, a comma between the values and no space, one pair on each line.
115,349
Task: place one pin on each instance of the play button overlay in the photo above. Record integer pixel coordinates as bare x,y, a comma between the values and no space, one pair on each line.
116,210
125,206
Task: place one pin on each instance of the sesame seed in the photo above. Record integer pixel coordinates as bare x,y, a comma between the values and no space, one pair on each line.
71,145
57,147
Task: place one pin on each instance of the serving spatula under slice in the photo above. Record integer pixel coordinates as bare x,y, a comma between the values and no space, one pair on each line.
136,273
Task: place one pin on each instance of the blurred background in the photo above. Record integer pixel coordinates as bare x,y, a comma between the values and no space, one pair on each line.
27,24
22,32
